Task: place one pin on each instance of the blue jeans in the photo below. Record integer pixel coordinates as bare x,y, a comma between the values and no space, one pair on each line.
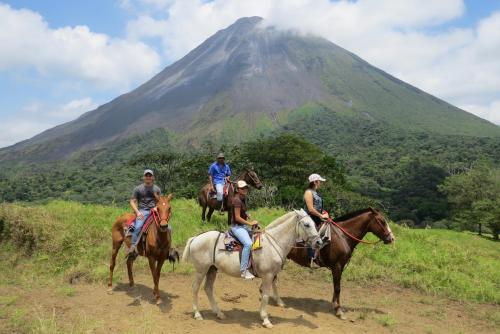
243,236
219,187
138,225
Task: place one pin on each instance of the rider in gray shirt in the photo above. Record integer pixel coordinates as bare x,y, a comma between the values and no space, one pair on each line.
144,195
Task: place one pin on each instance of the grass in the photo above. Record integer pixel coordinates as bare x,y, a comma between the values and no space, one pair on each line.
61,240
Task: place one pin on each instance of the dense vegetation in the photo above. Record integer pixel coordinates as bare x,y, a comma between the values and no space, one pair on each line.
434,261
366,162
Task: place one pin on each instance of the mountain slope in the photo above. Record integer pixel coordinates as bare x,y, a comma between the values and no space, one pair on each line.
243,81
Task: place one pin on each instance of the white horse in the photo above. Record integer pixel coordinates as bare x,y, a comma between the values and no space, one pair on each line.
277,241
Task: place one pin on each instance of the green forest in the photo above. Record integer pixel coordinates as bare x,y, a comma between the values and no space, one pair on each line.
417,180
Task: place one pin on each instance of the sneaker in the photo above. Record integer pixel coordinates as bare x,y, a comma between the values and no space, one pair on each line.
247,275
314,264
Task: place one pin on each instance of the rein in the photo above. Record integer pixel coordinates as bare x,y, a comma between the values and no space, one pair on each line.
350,235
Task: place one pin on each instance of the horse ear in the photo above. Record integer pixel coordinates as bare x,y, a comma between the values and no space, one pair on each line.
157,197
170,196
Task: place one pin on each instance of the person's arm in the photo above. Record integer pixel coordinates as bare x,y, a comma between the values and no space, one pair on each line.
133,205
308,198
239,219
228,174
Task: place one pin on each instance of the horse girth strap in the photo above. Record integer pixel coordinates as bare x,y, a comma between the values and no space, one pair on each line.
215,246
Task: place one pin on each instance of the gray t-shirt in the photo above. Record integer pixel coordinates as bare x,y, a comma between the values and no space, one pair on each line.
145,196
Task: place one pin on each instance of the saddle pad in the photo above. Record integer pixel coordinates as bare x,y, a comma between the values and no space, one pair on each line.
130,222
230,243
325,232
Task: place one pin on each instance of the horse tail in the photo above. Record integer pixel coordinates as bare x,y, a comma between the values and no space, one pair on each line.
185,253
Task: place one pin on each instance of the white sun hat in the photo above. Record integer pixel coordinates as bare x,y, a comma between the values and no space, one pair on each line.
242,184
315,177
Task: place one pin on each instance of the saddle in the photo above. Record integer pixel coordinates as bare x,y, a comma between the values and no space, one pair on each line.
229,243
129,225
213,194
232,244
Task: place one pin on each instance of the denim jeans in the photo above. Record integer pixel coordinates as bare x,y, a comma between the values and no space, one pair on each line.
219,187
243,236
138,225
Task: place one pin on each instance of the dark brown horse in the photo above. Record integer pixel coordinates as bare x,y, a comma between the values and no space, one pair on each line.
344,239
157,247
204,199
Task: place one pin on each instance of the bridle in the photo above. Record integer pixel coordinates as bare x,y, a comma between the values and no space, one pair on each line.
297,224
158,220
387,232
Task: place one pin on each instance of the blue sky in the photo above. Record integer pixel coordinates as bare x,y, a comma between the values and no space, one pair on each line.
62,58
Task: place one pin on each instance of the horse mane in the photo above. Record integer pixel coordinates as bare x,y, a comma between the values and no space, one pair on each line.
353,214
280,220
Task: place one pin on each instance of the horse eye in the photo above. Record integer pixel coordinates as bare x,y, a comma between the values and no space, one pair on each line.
307,225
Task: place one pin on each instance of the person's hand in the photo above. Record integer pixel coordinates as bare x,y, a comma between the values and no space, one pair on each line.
212,189
155,209
139,215
324,216
254,223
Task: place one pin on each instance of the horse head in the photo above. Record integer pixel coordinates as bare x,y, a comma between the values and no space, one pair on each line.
164,210
252,179
379,226
307,229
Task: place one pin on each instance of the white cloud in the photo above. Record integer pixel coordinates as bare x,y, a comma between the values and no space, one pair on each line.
403,37
491,111
73,52
36,117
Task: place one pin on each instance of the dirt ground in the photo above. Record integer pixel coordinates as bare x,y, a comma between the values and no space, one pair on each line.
381,308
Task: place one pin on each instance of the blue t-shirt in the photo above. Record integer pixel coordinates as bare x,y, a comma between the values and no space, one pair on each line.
219,173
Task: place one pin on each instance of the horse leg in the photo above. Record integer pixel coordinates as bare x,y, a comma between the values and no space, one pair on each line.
159,264
117,242
267,281
337,276
130,263
152,267
198,278
277,297
203,210
209,290
209,215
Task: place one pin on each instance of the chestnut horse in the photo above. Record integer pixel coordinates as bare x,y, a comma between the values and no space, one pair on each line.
158,241
346,232
249,176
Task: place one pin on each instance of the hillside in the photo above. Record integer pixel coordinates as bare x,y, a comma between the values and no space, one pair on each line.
244,81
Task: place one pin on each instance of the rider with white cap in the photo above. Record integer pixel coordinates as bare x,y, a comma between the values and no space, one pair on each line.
313,205
240,225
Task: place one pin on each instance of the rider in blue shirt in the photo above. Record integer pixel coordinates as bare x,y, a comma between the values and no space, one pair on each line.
218,174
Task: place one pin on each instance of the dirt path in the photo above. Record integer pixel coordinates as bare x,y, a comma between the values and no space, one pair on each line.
88,308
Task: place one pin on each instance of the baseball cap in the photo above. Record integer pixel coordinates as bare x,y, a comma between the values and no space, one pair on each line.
315,177
242,184
220,156
148,171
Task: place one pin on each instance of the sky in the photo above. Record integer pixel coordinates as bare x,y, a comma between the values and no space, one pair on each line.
59,59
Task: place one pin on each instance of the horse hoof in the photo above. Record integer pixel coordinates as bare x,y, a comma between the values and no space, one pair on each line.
221,316
267,324
198,316
158,301
281,304
110,291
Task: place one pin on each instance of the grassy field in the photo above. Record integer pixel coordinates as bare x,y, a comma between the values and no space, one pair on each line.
62,241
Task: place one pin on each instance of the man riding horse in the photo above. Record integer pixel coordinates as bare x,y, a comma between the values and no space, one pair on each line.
144,196
219,174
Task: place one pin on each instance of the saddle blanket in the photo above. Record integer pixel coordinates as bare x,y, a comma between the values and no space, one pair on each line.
129,224
229,243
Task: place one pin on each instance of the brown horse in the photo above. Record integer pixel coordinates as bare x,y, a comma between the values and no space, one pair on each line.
157,247
344,239
249,176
